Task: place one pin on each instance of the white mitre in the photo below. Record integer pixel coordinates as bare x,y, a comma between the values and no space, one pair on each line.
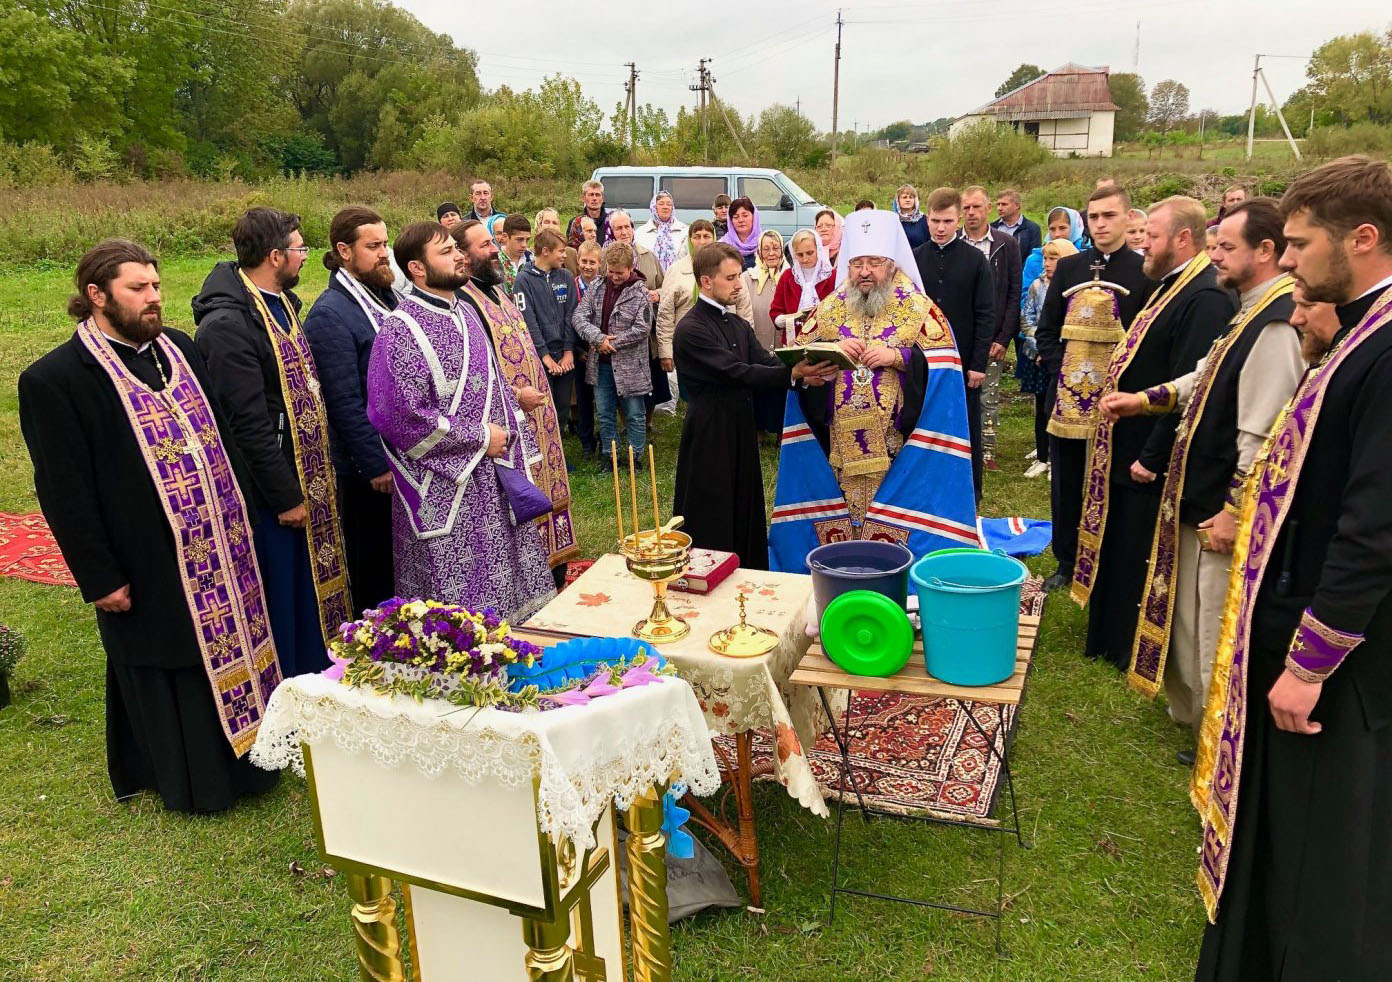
874,232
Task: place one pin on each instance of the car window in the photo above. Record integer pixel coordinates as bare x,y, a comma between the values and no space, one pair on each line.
627,192
765,194
693,192
799,195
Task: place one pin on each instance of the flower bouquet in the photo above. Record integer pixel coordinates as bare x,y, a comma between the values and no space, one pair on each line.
431,650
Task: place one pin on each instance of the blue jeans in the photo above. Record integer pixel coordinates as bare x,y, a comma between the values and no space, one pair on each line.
607,401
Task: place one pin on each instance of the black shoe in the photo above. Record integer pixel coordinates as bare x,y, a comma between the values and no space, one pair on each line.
1186,757
1056,582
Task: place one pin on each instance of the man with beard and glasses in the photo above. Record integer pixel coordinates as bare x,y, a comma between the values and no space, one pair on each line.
883,451
263,374
341,327
137,481
719,482
463,513
1294,778
1128,458
958,279
1226,407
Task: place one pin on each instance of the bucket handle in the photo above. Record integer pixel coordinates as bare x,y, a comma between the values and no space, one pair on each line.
938,581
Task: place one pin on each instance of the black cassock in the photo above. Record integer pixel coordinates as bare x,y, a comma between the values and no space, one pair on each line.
162,727
720,484
1308,895
1176,340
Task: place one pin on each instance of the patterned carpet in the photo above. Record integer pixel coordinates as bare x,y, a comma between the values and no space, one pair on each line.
29,552
911,754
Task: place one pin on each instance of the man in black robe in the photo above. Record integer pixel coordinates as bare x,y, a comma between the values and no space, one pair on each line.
341,327
94,485
1302,879
720,483
1184,315
1106,216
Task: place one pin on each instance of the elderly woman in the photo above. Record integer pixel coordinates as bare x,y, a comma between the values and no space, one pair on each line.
662,234
549,218
805,283
828,225
915,225
744,233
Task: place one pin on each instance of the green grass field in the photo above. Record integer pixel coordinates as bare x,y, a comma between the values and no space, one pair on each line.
95,890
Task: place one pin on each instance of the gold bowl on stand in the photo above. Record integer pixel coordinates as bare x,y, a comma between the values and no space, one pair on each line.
659,560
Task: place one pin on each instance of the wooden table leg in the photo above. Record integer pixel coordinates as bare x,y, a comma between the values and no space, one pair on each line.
739,836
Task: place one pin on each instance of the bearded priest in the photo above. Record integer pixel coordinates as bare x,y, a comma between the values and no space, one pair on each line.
136,480
882,452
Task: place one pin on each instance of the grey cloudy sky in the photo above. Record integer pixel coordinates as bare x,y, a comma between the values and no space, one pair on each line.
901,60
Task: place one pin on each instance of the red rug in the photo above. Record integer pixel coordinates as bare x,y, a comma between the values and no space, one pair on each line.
912,754
28,551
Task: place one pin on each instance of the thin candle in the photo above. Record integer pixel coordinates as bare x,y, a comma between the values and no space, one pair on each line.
657,518
618,500
633,490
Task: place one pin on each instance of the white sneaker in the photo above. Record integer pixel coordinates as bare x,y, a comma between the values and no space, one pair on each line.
1036,469
1032,455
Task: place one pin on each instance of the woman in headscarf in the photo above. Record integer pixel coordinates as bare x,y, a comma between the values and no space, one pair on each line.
1034,379
1063,223
494,224
915,225
760,283
744,232
662,233
808,281
828,225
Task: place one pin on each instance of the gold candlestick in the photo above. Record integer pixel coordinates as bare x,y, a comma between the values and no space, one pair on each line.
618,499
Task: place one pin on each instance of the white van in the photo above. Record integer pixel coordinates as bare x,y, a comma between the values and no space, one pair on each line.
783,206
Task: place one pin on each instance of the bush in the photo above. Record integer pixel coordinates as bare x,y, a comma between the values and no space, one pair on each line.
94,160
31,165
988,154
1165,186
1327,142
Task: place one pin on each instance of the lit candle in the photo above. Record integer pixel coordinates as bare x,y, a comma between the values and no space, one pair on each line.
657,519
618,500
633,490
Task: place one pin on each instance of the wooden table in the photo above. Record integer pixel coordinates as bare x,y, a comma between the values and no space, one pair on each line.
818,671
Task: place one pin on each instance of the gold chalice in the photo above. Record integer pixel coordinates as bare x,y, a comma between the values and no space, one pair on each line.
659,560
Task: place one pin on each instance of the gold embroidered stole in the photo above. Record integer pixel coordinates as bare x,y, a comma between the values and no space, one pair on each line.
309,434
1152,645
1097,482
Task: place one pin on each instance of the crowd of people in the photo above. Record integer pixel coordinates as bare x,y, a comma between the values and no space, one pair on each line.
1208,399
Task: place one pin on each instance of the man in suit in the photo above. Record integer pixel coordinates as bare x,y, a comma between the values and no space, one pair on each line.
1003,256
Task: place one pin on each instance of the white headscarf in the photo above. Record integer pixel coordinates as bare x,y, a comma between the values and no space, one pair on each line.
876,233
808,279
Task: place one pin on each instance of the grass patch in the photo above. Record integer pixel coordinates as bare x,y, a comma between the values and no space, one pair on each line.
95,890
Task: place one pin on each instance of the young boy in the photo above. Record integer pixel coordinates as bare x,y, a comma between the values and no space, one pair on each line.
1033,378
513,252
721,210
545,293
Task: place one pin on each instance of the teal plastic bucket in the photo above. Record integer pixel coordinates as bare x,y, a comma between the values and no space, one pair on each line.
969,609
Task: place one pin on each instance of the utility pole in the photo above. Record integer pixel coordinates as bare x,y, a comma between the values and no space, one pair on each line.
1136,52
731,126
1252,111
702,88
836,86
1257,73
631,106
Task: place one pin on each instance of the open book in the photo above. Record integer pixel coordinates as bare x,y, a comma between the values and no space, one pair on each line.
816,353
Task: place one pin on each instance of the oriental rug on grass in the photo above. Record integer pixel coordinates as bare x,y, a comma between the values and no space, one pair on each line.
28,551
911,754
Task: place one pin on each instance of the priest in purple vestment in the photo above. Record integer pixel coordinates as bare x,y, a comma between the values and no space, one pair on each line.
453,435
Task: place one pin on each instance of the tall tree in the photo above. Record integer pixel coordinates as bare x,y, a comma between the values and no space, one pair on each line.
1169,103
785,136
1351,78
1025,73
1128,92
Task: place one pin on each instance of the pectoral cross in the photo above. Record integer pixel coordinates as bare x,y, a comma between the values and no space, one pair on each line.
1098,267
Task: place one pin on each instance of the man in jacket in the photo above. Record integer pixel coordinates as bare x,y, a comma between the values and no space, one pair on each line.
545,293
341,327
261,371
1003,256
1010,219
958,280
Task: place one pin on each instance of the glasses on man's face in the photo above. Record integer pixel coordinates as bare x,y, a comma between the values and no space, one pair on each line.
301,249
865,264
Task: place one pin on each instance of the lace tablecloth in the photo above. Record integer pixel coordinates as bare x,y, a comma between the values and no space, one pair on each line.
736,694
585,757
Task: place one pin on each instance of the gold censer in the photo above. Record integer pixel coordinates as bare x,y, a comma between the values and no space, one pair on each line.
659,555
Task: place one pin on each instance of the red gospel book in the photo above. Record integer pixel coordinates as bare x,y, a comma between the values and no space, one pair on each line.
708,567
